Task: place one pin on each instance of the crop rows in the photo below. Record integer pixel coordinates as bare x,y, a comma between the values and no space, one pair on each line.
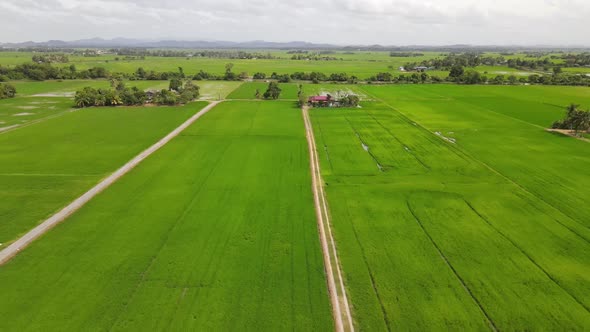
215,231
438,237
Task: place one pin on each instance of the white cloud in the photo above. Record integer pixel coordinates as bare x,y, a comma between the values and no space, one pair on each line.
339,21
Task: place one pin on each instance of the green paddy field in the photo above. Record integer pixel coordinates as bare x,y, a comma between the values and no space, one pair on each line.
452,209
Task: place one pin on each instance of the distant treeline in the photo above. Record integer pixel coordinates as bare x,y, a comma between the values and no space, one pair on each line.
315,57
217,54
458,74
405,54
39,49
532,61
45,71
576,60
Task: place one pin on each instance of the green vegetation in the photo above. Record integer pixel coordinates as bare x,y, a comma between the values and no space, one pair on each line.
272,92
7,91
215,231
45,166
19,111
179,92
453,208
284,66
575,119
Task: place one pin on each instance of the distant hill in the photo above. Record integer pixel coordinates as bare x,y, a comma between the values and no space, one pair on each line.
124,42
261,44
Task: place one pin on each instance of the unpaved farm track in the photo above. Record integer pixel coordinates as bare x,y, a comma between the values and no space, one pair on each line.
336,289
13,249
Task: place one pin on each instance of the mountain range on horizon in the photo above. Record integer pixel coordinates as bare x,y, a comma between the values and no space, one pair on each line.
254,44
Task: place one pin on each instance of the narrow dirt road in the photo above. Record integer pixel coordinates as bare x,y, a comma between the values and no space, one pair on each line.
13,249
336,289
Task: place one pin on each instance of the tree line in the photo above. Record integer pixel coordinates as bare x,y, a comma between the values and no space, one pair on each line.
457,74
217,54
405,54
45,71
178,92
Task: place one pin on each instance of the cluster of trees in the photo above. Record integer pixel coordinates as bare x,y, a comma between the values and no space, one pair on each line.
179,92
532,61
7,91
45,71
576,60
184,91
273,91
89,53
50,58
142,74
349,100
477,59
533,64
259,76
118,95
468,59
575,119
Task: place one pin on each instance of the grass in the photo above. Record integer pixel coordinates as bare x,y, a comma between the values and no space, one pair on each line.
362,64
46,165
39,100
21,110
217,224
486,231
452,207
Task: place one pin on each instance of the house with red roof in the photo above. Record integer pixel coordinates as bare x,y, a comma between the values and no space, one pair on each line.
322,101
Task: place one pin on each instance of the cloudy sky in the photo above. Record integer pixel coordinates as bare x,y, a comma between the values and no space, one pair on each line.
388,22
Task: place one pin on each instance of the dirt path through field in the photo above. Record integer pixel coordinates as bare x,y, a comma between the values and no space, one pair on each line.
13,249
336,289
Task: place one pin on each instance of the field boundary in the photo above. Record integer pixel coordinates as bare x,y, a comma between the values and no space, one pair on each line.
336,289
24,241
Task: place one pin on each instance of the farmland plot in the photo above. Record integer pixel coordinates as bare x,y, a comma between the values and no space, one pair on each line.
45,166
504,129
215,231
430,238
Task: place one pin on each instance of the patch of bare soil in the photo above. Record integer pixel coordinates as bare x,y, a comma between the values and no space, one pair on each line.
567,132
7,128
58,94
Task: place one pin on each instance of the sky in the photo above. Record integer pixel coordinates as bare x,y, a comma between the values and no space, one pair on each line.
342,22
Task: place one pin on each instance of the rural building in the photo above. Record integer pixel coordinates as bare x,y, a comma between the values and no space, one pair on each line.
421,68
322,101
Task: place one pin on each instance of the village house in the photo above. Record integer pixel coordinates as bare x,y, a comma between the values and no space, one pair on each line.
322,101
